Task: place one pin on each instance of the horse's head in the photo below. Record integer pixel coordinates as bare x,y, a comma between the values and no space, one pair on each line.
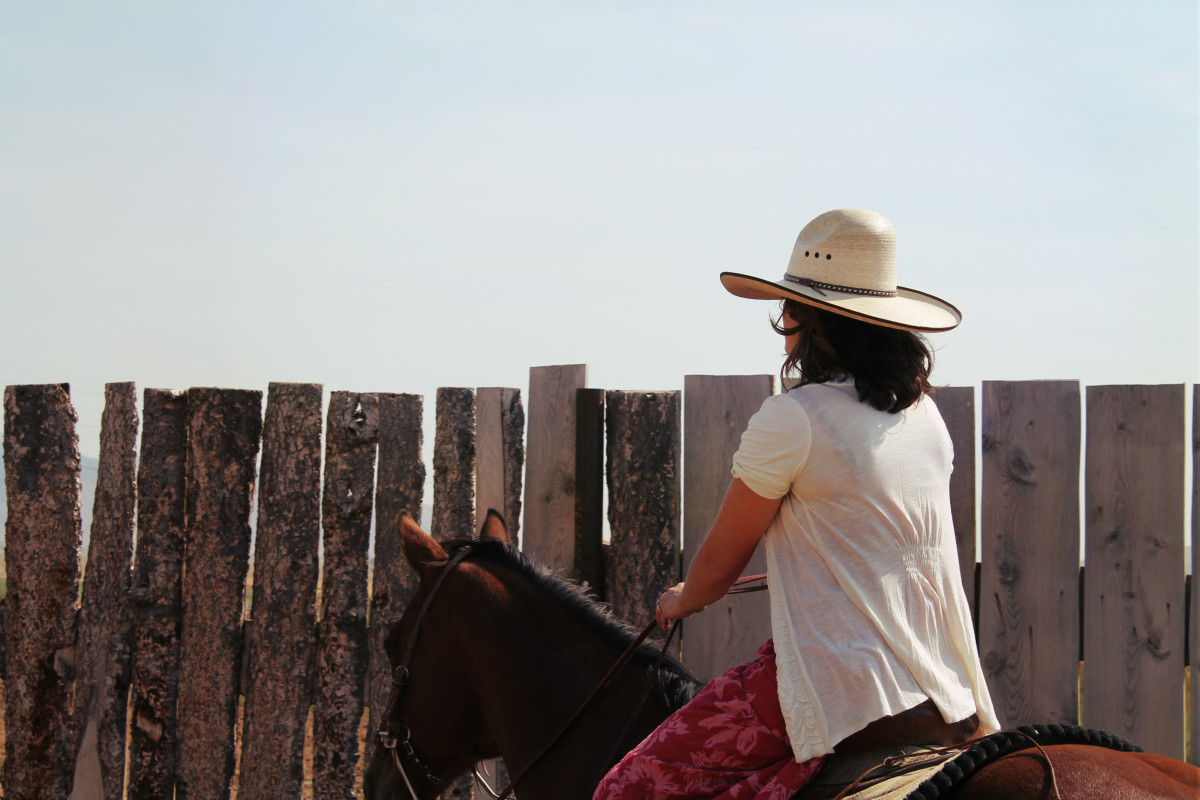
433,728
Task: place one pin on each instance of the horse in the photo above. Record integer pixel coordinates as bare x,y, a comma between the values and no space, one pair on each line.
496,656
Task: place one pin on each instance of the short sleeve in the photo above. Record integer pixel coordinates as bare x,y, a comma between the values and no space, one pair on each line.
774,447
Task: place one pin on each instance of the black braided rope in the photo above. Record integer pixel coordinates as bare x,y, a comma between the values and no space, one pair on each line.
997,745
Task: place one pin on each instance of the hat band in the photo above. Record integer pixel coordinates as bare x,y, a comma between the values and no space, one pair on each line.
833,287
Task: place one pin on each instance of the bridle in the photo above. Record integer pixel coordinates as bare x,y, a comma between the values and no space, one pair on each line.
401,740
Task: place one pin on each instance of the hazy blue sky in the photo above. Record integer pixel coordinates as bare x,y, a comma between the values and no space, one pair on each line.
396,196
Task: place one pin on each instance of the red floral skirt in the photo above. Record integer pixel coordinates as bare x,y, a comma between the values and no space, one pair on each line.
728,743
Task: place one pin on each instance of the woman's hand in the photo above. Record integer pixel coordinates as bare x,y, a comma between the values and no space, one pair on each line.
726,550
672,606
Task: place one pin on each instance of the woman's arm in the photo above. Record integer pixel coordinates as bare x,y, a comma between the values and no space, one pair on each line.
724,553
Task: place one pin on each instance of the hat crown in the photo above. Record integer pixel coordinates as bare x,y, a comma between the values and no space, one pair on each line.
847,247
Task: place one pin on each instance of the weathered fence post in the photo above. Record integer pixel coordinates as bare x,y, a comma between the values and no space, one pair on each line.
351,433
1029,596
1134,603
957,407
643,500
157,595
454,465
500,455
716,410
224,426
589,567
550,466
1194,639
279,642
105,624
454,493
42,536
400,488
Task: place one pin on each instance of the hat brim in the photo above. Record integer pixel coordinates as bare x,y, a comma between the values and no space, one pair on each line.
908,309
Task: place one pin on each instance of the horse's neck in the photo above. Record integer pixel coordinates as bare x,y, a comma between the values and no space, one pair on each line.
551,662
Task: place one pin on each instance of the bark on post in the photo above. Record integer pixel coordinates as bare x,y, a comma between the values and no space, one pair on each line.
280,646
351,433
401,484
454,465
42,535
157,595
643,500
224,426
454,493
105,622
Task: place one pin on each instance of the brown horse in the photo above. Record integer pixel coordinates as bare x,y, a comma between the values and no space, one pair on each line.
494,655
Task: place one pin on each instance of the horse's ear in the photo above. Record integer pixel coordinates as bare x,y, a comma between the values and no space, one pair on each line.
419,547
494,527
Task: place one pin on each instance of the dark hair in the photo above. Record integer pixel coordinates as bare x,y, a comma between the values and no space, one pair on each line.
890,367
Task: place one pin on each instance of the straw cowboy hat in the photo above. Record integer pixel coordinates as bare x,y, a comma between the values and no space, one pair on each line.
845,262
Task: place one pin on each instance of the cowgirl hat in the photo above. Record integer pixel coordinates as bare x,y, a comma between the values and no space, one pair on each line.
845,262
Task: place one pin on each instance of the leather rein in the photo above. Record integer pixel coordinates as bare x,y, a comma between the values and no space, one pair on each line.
401,740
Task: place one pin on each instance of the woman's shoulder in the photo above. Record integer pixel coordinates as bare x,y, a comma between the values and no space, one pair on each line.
816,395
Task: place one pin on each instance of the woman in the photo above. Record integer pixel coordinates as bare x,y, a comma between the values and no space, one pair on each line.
845,480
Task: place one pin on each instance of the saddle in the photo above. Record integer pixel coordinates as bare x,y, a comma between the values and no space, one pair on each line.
912,772
885,758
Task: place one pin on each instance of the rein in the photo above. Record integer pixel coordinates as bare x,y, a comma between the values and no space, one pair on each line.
400,677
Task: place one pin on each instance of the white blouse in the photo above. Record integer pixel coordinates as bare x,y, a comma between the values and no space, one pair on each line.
868,611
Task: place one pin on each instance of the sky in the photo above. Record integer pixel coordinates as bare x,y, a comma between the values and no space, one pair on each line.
397,196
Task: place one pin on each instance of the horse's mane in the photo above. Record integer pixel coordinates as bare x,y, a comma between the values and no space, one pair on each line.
677,684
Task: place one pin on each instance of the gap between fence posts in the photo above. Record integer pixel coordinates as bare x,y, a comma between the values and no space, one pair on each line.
105,623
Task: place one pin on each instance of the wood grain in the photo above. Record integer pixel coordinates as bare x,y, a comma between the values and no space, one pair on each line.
1134,604
1029,594
500,455
548,532
717,409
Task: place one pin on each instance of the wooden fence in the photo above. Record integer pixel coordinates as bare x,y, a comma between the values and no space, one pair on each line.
158,629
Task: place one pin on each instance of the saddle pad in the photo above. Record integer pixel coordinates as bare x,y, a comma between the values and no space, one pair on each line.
885,775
